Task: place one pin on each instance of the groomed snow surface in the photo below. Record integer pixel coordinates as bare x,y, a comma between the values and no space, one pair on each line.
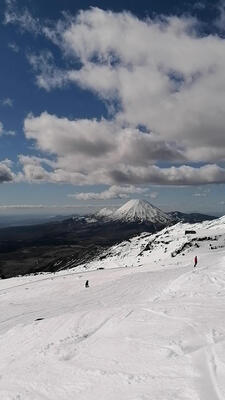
149,327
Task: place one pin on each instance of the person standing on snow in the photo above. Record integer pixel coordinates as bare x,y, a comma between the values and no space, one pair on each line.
86,284
195,261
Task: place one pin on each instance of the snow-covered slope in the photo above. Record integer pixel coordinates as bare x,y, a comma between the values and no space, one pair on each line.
140,211
169,245
154,331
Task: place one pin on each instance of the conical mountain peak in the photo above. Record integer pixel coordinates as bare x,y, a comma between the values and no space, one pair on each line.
137,210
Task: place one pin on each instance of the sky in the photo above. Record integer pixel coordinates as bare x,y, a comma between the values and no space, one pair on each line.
104,101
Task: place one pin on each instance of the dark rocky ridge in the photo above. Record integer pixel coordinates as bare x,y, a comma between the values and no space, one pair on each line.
178,216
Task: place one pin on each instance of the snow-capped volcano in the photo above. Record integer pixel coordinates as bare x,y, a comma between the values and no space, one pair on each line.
140,211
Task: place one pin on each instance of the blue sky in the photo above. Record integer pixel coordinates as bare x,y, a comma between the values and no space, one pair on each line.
121,100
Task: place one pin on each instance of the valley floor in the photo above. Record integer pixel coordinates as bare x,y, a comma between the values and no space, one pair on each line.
150,332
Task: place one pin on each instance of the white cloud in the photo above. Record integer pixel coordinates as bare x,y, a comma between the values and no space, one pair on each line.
63,171
14,15
183,175
201,194
153,195
162,75
48,76
3,131
220,21
1,128
14,47
6,175
114,192
91,151
7,102
10,133
199,5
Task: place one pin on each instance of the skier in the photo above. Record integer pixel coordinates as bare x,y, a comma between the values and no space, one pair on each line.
195,261
86,284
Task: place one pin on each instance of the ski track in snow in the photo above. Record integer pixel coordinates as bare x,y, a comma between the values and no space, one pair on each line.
203,358
150,333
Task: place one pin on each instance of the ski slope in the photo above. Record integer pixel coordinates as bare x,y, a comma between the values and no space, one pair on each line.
152,330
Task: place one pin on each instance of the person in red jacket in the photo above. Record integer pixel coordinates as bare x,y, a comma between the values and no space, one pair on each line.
195,261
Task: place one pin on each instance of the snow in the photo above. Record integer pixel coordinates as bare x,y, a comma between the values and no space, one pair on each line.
152,330
137,211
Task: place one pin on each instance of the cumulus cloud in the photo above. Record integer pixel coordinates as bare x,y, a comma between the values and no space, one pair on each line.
90,150
183,175
6,175
114,192
34,170
162,73
98,139
169,86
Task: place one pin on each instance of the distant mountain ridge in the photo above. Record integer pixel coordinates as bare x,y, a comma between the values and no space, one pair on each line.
141,211
178,216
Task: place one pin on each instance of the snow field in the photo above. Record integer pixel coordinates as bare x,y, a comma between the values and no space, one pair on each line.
152,331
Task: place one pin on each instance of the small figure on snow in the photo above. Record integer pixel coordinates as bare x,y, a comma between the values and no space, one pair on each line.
87,284
195,261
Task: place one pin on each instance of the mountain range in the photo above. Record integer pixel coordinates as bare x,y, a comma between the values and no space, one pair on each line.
141,211
58,245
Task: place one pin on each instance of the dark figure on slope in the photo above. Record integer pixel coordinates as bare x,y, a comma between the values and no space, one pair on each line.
195,261
87,284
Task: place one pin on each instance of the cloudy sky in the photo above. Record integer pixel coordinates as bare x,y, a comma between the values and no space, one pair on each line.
104,101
